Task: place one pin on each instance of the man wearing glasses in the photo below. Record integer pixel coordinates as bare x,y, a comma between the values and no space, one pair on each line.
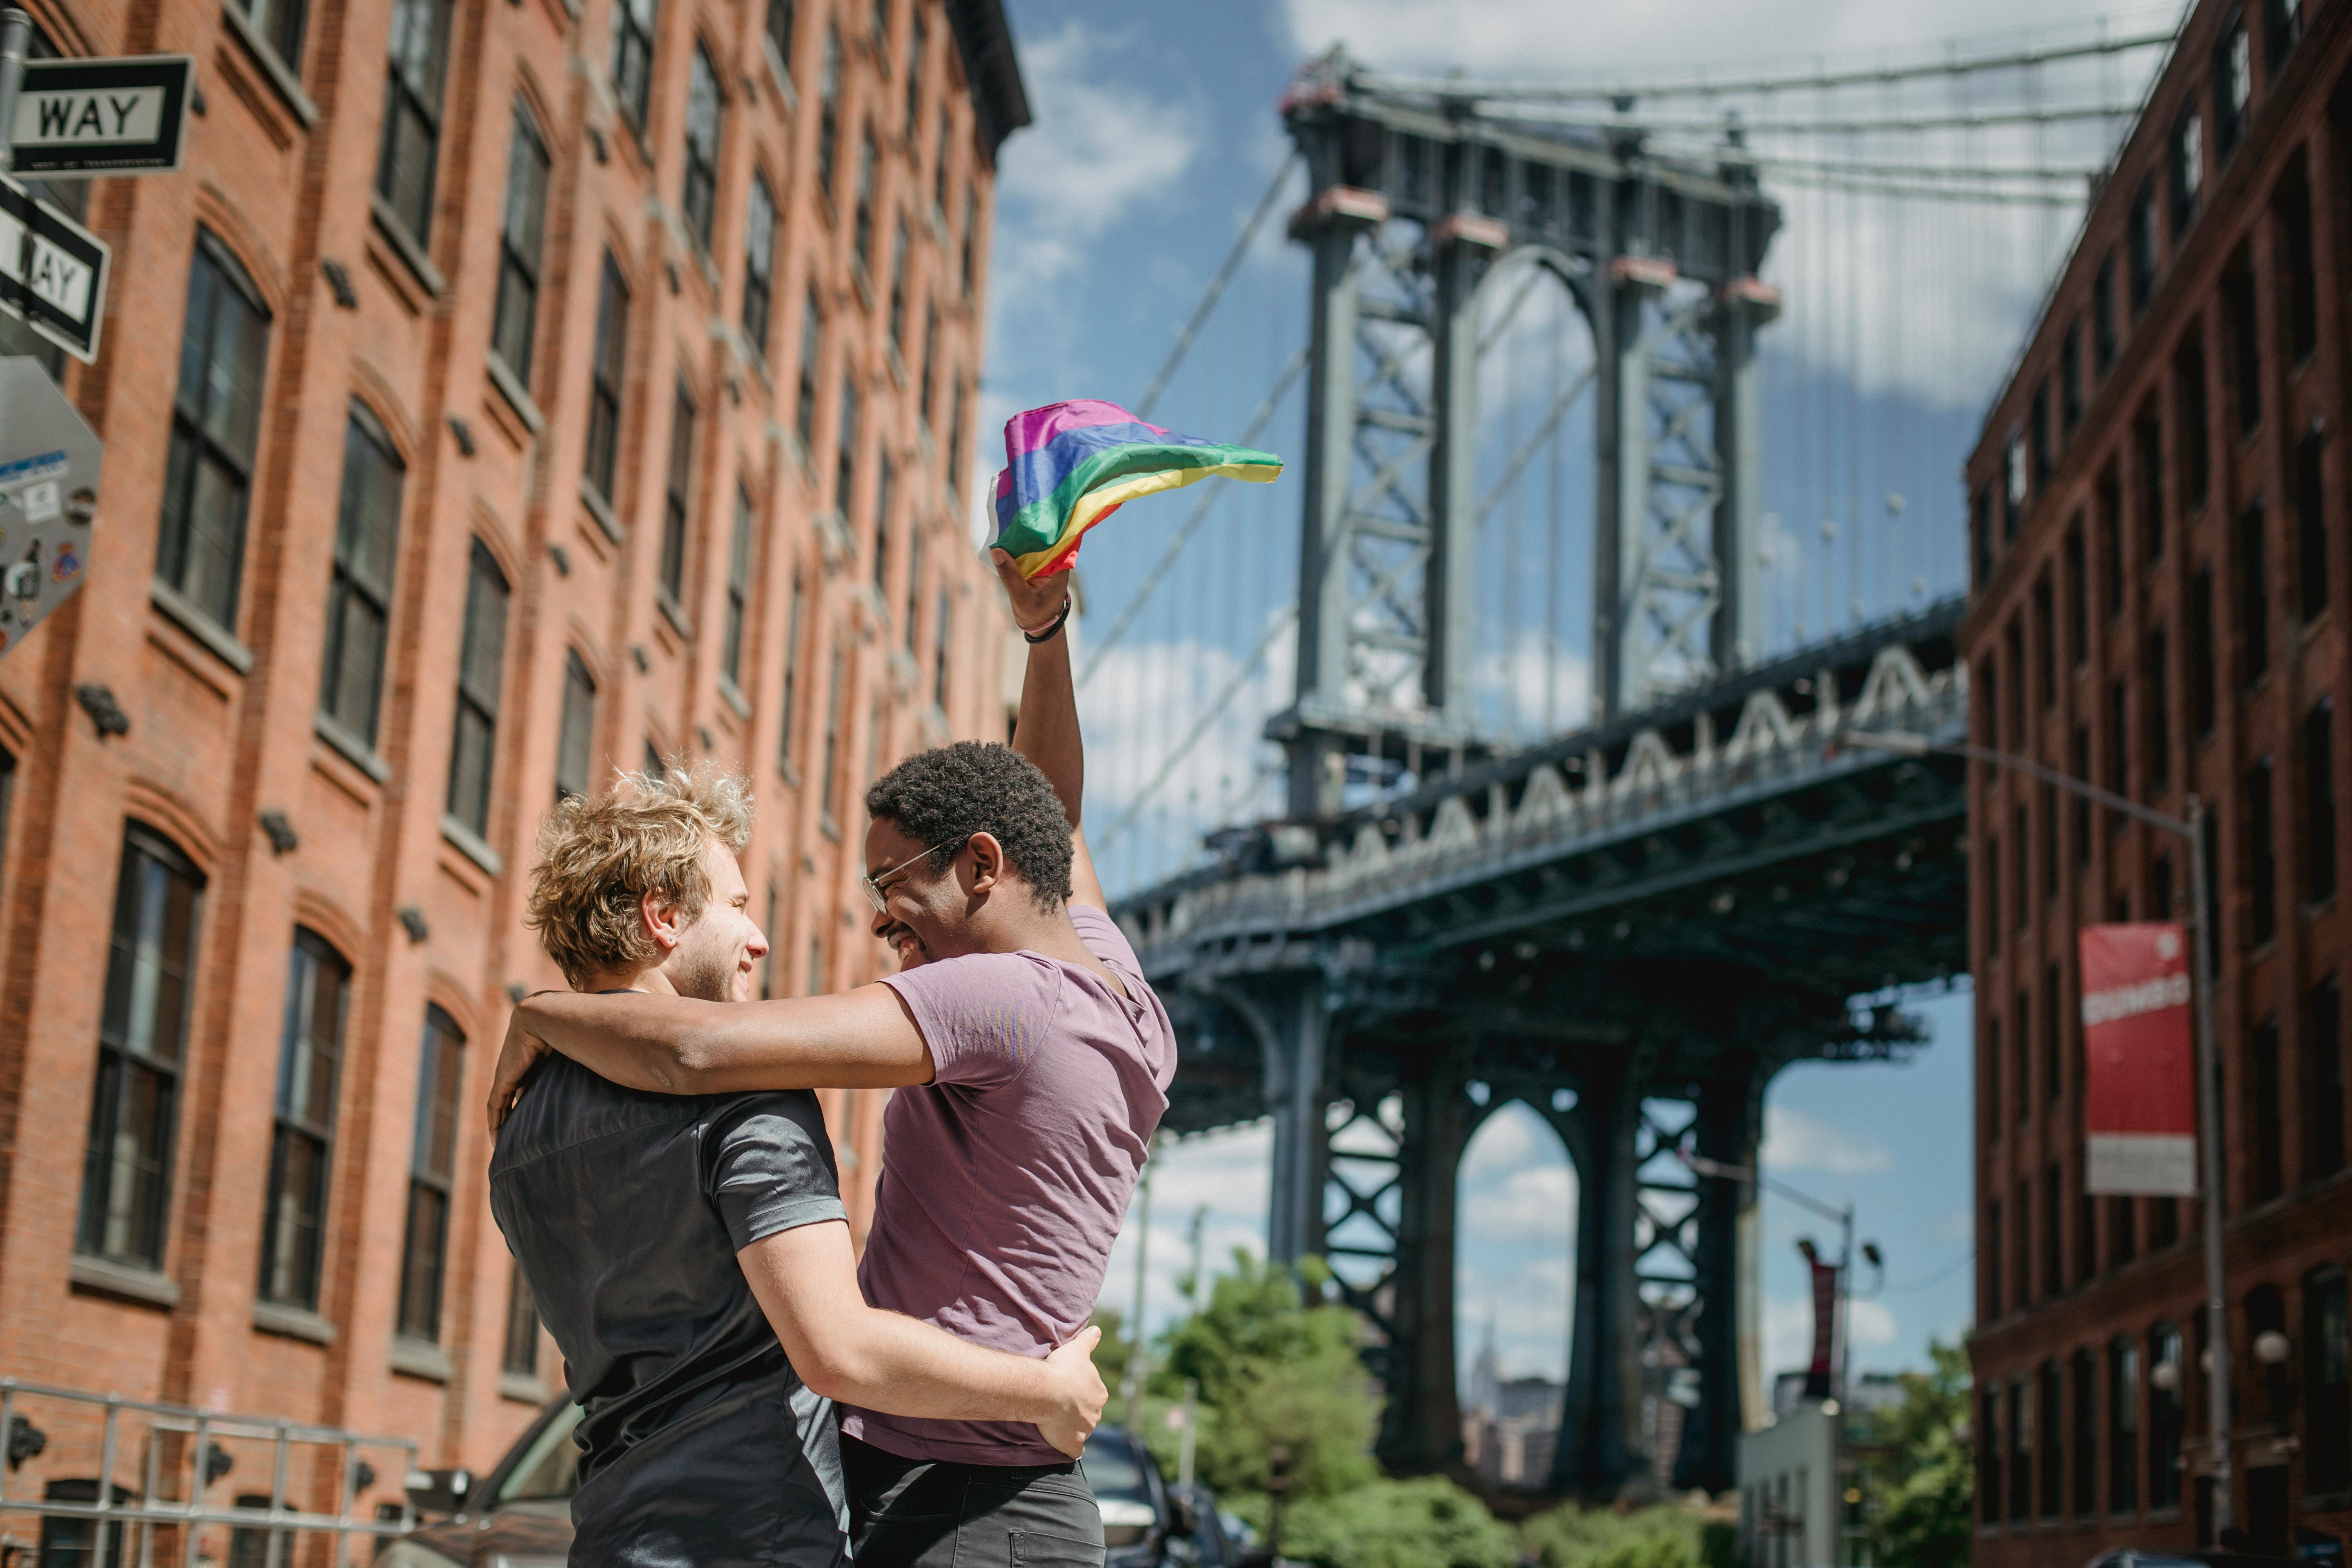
1032,1063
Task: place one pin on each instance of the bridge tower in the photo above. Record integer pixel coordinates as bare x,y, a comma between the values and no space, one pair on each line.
1430,224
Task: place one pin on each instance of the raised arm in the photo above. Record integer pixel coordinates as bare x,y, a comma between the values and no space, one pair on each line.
675,1045
1047,730
806,1281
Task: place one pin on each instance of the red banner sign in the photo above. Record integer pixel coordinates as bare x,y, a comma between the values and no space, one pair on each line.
2139,1088
1818,1375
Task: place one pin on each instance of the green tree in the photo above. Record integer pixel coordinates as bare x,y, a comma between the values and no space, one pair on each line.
1571,1537
1424,1523
1921,1468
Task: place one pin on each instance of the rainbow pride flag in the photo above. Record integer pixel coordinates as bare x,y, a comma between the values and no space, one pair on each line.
1071,465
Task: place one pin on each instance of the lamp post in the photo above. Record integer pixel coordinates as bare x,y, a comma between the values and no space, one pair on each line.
2190,829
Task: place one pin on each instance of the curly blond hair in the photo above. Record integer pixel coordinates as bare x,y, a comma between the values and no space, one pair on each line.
598,859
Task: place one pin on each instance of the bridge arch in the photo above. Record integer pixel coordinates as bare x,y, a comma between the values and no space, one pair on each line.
1517,1196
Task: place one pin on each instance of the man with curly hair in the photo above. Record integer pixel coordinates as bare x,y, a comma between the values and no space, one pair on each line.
1031,1064
690,1253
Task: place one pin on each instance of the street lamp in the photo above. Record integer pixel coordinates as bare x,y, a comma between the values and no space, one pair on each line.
2191,829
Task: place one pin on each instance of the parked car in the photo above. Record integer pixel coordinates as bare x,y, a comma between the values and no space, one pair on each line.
1151,1523
2129,1557
519,1514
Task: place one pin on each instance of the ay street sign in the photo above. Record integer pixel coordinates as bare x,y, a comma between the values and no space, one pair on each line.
49,493
52,273
121,116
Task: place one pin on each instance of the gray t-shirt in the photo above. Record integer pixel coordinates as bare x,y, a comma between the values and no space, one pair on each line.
700,1447
1006,1176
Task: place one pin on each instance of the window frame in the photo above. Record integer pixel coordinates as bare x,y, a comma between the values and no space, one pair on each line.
738,588
479,700
706,117
758,264
678,497
629,67
194,442
522,255
365,442
579,704
440,1089
606,372
281,1255
415,100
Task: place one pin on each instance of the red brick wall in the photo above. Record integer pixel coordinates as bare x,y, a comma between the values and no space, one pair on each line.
2030,1313
284,178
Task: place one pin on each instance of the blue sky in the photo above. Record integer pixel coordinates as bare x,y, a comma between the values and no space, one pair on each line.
1156,134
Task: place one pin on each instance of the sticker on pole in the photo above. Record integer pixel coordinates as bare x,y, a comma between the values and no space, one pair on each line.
2139,1086
52,272
49,494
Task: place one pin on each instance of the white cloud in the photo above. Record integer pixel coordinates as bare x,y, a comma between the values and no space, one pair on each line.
1794,1141
1537,1203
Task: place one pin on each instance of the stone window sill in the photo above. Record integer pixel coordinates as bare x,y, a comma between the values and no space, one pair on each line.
388,224
292,1322
185,614
281,76
419,1358
780,74
471,846
125,1282
521,1388
517,397
734,697
671,612
602,511
356,751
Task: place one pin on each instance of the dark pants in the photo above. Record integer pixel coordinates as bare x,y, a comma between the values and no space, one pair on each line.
932,1513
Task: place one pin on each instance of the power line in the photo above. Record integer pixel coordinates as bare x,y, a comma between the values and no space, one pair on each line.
1935,193
1702,125
2080,173
1216,289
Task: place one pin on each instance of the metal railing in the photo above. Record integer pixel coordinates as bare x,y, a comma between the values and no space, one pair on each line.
178,1456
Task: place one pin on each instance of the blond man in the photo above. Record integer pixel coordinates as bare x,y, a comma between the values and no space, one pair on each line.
690,1254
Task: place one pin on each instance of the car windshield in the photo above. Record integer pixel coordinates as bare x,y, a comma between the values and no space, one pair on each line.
1111,1467
550,1470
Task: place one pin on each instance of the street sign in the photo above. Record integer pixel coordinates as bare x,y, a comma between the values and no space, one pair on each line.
49,493
2139,1088
123,116
52,272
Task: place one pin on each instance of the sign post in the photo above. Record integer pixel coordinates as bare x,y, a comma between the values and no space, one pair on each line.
50,464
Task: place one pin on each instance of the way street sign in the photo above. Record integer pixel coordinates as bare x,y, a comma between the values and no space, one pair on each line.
52,272
49,493
127,115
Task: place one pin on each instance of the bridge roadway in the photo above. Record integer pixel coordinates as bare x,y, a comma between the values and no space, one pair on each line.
1630,929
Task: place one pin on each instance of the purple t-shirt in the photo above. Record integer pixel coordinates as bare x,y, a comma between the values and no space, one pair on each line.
1006,1176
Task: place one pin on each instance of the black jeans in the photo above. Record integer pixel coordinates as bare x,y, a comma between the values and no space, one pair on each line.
933,1513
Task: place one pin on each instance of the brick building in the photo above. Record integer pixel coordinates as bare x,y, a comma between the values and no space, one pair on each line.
2162,576
502,392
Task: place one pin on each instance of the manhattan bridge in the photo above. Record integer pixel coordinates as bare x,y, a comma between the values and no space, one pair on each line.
1489,758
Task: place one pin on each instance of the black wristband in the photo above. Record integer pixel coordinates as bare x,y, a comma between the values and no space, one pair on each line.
1053,629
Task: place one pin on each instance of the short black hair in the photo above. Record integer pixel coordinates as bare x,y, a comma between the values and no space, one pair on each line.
978,786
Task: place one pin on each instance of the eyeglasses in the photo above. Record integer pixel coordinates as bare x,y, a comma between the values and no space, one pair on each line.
873,885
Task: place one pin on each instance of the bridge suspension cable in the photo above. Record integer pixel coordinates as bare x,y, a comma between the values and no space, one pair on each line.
1216,289
1701,125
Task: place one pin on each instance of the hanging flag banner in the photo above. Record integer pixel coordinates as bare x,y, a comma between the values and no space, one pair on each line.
2139,1084
1818,1382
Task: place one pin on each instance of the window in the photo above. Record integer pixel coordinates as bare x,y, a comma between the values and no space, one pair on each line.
2037,436
2310,526
2327,1371
2082,803
2050,1439
845,471
2086,1226
738,588
2014,657
432,1169
939,162
1989,1454
923,364
2123,1231
895,324
2118,743
916,40
2048,811
704,105
790,699
2070,378
2282,29
758,264
1980,533
955,441
1992,894
811,343
633,58
2143,242
2078,598
412,112
2014,470
2021,1436
2323,1081
2203,695
2262,849
604,378
520,237
2163,1223
2187,167
2156,710
2148,441
2045,641
280,23
2082,1376
302,1149
2165,1413
828,114
2196,451
1992,1082
578,730
2110,539
970,233
2319,801
2270,1172
2022,1027
2055,1053
825,785
782,13
1996,1300
482,664
914,598
878,25
2292,206
2122,1425
882,475
519,1353
359,594
2245,342
861,230
126,1190
215,422
939,652
2054,1276
768,959
2103,316
2233,88
675,492
2253,598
